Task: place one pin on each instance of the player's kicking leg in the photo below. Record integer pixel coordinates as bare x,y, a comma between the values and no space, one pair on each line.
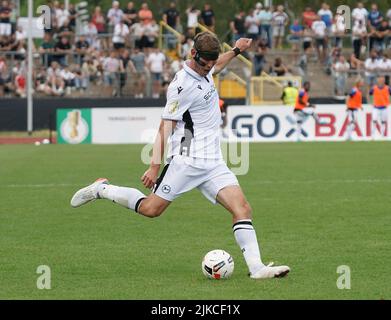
149,206
233,199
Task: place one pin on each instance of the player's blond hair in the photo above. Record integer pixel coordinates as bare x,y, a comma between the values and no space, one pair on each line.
206,41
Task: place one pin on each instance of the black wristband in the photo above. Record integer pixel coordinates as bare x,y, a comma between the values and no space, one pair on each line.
236,50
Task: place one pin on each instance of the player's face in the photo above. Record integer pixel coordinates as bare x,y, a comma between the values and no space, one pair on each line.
204,66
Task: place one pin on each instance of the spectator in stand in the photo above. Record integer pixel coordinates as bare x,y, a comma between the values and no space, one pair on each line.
341,69
137,31
62,49
251,25
258,8
375,17
356,65
308,35
371,66
46,49
5,19
62,14
360,14
130,14
280,21
338,30
279,69
302,64
99,20
55,80
326,15
65,30
265,18
138,59
112,67
208,17
82,48
192,20
152,33
121,32
382,33
384,68
127,66
82,75
186,48
359,37
319,28
20,85
91,34
20,34
374,21
69,79
308,17
259,59
172,17
115,16
237,26
145,15
296,32
72,16
156,63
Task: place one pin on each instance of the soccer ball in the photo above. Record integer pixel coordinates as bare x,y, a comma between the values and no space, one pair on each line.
218,264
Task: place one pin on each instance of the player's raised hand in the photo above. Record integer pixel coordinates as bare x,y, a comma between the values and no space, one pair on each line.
149,177
243,43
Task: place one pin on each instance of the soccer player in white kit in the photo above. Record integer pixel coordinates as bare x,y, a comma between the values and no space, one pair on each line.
191,122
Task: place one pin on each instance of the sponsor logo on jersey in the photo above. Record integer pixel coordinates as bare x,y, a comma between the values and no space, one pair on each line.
180,89
210,92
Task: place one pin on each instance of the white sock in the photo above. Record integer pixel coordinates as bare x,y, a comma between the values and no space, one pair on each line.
298,130
127,197
350,129
374,123
247,240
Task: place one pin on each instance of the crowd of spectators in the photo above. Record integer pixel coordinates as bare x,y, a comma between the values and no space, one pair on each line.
341,48
117,50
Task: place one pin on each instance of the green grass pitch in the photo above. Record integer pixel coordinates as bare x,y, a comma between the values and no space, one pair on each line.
316,206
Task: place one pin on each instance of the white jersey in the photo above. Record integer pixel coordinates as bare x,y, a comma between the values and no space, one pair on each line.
193,101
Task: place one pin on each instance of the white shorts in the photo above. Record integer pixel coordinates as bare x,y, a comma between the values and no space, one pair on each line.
5,29
352,115
379,114
183,174
303,114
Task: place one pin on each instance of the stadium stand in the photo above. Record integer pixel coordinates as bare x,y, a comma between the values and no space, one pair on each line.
109,55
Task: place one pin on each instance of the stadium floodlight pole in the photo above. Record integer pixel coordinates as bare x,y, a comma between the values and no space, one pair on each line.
30,69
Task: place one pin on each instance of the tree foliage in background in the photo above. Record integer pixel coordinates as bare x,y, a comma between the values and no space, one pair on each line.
224,10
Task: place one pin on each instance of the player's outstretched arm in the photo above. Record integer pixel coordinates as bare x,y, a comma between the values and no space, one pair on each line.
165,130
242,44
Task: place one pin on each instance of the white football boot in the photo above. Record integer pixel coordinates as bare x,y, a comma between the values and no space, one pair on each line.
271,272
88,193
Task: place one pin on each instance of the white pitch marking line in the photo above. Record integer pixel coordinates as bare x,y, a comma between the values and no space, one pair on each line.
65,185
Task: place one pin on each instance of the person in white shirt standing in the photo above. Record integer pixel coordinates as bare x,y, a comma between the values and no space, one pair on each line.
155,63
360,13
280,21
320,28
191,120
121,32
